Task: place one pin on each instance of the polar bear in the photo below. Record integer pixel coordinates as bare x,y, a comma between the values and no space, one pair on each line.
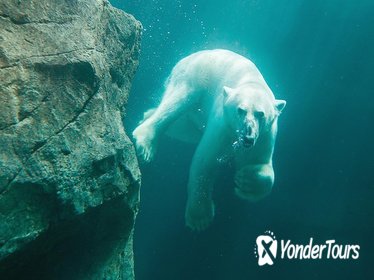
219,100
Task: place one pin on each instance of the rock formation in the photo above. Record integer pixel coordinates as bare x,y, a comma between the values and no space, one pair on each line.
69,179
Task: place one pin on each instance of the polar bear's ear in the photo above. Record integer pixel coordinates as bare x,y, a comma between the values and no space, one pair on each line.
279,105
227,92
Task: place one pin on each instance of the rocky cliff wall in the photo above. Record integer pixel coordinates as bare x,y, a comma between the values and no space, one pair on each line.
69,179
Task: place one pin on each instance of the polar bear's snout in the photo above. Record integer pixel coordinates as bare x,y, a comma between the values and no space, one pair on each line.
248,130
248,134
247,140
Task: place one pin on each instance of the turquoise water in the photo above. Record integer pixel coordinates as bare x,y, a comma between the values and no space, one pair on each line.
317,55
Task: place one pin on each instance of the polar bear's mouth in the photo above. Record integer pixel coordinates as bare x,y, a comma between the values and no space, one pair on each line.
244,142
248,142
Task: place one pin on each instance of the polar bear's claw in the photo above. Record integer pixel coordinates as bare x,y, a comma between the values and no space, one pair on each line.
144,142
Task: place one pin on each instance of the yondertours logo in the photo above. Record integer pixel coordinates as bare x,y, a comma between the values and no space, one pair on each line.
267,246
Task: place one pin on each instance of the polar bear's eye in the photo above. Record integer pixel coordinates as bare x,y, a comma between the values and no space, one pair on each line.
260,114
241,112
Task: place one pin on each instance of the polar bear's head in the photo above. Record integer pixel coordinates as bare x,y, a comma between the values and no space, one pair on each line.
250,110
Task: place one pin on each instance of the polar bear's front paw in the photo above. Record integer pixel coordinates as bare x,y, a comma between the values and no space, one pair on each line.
145,142
254,182
199,213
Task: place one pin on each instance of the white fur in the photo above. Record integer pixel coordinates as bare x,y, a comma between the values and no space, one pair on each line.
218,100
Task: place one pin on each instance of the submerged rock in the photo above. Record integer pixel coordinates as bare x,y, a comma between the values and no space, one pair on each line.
69,179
